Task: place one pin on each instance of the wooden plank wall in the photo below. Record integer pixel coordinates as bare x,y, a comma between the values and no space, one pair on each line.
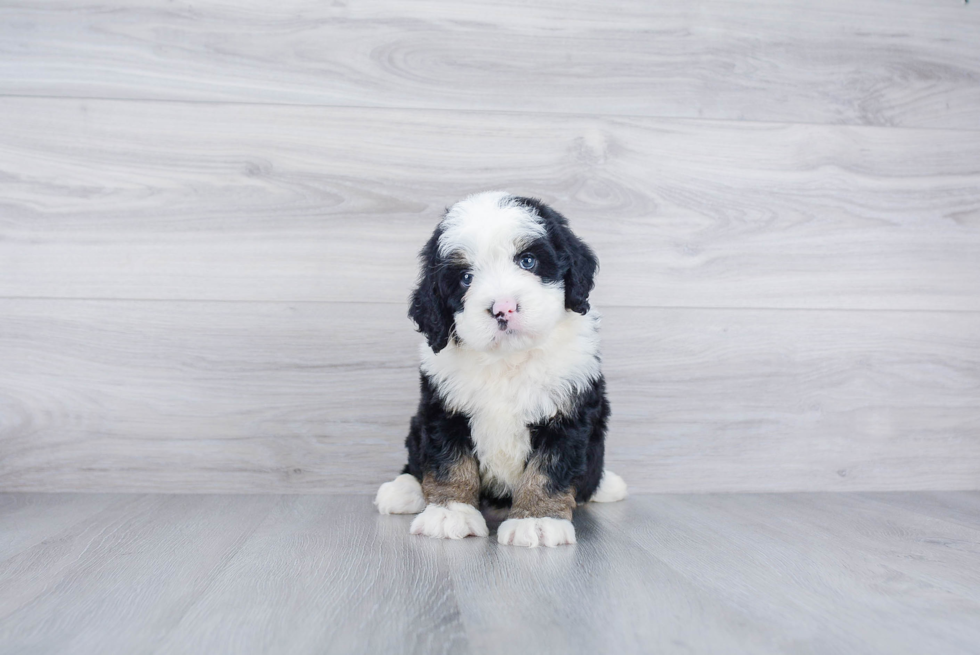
209,214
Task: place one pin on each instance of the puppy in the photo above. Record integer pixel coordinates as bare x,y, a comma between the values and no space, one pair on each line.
513,409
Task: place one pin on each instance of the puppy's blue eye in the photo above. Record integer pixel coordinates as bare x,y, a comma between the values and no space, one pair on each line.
527,261
466,279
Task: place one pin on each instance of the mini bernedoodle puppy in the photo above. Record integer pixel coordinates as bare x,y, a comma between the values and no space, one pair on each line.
513,409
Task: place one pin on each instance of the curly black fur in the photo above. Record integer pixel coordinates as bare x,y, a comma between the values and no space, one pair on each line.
571,260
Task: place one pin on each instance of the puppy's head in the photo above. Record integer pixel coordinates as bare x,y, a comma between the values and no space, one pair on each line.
499,273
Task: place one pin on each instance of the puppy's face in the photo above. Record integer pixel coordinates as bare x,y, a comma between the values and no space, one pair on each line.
499,273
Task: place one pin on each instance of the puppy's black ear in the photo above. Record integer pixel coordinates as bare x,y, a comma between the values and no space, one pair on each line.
580,277
577,259
430,308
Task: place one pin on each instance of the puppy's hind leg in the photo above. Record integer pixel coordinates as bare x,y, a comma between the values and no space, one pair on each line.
611,488
403,495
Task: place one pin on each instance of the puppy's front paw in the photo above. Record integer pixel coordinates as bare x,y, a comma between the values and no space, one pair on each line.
403,495
455,521
532,533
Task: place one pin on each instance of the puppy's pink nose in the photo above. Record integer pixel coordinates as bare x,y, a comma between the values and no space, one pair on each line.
504,308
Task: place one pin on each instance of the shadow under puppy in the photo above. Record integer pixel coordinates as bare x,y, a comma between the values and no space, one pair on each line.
513,409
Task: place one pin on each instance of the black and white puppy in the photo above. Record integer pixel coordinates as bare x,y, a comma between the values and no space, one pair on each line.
513,408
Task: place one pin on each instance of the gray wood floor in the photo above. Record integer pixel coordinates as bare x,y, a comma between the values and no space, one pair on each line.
801,573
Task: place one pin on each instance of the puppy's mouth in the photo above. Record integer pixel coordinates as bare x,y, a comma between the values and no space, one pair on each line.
510,335
511,326
507,331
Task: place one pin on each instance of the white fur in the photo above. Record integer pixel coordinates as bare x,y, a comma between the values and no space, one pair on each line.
483,224
506,380
454,521
403,495
532,533
611,488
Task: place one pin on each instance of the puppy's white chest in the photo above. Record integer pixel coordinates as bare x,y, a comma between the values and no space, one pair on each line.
499,428
503,395
502,448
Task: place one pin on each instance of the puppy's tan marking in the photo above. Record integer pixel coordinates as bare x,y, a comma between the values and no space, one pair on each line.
461,485
533,500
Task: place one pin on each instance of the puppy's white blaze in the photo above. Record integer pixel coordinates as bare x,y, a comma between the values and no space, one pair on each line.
532,533
487,224
454,521
403,495
611,488
503,392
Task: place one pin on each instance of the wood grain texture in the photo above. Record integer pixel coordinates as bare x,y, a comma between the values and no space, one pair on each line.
116,567
177,201
858,557
877,62
313,397
328,573
20,512
814,573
